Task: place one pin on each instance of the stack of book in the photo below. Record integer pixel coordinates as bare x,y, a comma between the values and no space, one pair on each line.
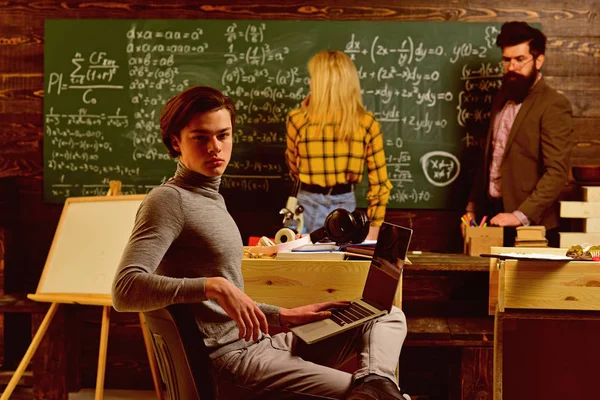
531,236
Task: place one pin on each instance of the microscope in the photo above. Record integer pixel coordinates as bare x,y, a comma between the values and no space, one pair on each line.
293,220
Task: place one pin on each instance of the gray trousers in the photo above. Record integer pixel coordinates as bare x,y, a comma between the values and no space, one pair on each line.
282,363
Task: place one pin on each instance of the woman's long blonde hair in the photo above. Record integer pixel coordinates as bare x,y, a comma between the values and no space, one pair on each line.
335,92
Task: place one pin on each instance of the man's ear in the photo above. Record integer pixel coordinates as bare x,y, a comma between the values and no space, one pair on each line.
175,143
539,61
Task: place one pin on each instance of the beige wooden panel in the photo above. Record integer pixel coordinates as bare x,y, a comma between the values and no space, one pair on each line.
591,193
579,209
568,239
293,283
591,225
573,285
493,294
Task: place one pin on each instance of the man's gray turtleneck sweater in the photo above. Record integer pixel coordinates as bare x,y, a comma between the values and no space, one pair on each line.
182,235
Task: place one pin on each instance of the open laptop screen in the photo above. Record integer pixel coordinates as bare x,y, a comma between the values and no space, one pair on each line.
386,266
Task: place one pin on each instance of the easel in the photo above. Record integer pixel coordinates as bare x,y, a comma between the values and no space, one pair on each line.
104,300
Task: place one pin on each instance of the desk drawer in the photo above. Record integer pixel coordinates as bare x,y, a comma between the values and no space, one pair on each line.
293,283
552,285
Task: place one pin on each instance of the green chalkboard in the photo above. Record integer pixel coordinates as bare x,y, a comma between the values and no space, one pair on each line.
429,84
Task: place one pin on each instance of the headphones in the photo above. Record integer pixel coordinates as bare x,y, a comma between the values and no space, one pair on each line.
343,226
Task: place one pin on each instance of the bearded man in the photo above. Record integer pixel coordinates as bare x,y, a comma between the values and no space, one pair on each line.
529,141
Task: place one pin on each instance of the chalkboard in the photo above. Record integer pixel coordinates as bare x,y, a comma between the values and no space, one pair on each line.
88,244
429,84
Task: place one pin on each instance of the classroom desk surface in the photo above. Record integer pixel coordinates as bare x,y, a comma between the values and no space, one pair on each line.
428,261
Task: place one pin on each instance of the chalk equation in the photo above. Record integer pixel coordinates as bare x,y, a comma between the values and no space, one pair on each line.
430,93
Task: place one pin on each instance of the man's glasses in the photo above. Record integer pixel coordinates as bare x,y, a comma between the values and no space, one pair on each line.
516,62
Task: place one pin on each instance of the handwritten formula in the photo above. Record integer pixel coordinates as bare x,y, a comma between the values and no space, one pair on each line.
430,85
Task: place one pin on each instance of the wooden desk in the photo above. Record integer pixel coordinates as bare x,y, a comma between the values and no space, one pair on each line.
449,330
446,353
445,300
293,283
542,290
428,261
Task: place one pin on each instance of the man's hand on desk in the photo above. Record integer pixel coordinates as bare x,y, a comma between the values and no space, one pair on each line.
241,308
310,313
505,219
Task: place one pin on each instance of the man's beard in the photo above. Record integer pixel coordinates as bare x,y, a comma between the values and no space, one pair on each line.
517,89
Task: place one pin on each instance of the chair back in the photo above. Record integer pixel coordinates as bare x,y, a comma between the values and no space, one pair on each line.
184,363
180,353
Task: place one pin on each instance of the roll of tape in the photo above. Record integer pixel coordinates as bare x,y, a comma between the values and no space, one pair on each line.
270,250
284,235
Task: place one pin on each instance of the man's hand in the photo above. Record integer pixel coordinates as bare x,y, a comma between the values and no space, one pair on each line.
505,219
246,314
309,313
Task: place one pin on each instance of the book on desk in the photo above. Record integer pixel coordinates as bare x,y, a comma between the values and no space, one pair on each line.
329,251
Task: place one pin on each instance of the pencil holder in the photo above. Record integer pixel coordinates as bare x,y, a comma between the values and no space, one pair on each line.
480,239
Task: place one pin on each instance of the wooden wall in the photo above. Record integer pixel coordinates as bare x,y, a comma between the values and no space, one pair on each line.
572,66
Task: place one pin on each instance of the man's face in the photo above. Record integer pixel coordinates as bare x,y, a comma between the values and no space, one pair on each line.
206,142
520,70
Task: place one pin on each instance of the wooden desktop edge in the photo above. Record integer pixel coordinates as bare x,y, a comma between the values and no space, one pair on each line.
71,298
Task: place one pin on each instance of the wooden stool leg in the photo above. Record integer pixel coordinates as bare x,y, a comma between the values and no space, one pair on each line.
102,352
35,342
151,358
498,339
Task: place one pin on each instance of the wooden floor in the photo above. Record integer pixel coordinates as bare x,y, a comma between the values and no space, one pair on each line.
88,394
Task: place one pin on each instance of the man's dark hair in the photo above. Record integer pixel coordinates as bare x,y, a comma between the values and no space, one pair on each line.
516,32
178,111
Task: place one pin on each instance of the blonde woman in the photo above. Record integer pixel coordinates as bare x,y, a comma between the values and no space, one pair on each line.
330,140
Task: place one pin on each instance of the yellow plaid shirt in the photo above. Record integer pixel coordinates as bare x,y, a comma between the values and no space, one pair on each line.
315,156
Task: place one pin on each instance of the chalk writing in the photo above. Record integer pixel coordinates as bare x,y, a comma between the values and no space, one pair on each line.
430,86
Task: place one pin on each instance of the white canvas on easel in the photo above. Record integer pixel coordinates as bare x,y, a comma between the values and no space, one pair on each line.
81,264
88,244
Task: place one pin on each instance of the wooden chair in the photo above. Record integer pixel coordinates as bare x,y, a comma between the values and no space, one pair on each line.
182,358
184,363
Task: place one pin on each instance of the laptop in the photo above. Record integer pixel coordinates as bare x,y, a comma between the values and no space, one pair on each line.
378,293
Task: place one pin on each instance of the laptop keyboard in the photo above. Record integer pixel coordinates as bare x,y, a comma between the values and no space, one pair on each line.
345,316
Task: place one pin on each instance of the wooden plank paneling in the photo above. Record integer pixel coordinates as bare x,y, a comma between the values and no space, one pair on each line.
587,141
21,140
578,16
572,56
582,91
586,129
588,154
21,94
565,55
